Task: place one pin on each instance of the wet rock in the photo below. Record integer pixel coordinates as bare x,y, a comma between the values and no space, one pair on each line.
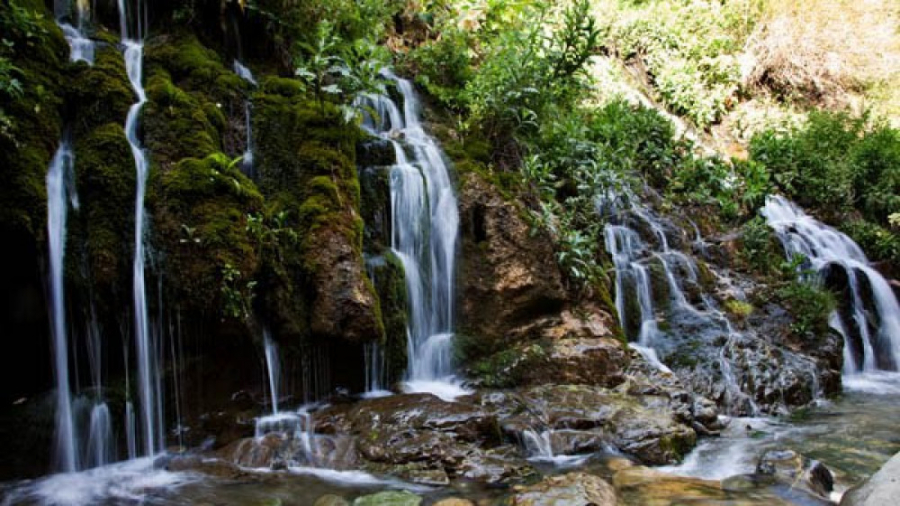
640,426
454,501
331,500
389,498
495,465
641,485
568,489
508,275
881,489
788,466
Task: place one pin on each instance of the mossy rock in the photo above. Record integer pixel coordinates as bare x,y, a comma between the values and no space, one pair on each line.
106,185
195,67
389,498
99,94
41,60
389,280
305,159
177,125
202,220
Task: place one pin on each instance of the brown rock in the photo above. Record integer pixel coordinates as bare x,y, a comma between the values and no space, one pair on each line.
454,501
567,490
508,275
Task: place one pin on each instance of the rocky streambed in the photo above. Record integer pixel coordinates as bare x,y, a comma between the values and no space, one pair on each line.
544,445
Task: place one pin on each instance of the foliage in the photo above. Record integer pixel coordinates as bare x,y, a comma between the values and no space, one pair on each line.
837,164
17,23
809,303
331,67
758,245
237,294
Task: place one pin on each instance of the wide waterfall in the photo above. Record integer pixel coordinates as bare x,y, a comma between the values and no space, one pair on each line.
870,322
149,386
652,283
424,232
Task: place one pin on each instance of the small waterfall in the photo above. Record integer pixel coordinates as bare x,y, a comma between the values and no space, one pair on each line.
871,330
59,196
634,257
245,74
82,48
273,366
100,437
150,394
373,355
425,227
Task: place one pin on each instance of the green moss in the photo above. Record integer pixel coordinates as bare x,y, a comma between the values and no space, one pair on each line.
389,282
106,184
41,57
177,125
195,67
99,94
202,225
738,309
288,88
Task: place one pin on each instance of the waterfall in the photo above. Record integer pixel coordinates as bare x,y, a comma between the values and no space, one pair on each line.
273,366
148,376
57,210
424,232
634,257
373,355
871,330
82,48
245,74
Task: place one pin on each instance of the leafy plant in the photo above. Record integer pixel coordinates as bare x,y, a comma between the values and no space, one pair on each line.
237,293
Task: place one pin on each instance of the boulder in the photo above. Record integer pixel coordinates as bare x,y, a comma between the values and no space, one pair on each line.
389,498
882,488
567,490
331,500
788,466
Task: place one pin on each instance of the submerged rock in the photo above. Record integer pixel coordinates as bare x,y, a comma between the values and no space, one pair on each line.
389,498
790,467
331,500
565,490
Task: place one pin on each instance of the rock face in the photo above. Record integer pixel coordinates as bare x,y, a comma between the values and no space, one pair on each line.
881,489
508,277
568,489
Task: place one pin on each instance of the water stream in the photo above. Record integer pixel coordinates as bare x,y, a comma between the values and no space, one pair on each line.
148,381
425,229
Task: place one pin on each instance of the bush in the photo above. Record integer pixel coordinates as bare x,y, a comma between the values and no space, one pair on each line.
758,246
809,303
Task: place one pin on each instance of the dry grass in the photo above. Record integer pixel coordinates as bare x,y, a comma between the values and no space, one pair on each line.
828,52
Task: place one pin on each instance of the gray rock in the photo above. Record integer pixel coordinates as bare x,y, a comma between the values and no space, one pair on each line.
567,490
389,498
882,489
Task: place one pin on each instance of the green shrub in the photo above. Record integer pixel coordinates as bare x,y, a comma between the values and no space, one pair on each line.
879,243
809,303
758,246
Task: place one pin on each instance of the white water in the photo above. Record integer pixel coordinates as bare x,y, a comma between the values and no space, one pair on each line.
57,210
633,257
273,366
375,371
539,446
82,48
122,483
877,326
425,228
150,394
245,74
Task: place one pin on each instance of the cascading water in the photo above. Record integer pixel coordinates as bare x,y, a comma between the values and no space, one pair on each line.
148,381
57,209
425,227
245,74
273,366
871,324
82,48
635,258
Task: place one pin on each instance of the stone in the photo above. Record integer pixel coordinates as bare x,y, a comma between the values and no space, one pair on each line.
389,498
454,501
508,275
881,489
567,490
331,500
789,467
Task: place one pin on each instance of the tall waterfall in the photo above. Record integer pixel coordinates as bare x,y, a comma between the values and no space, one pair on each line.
57,210
148,381
424,232
870,324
